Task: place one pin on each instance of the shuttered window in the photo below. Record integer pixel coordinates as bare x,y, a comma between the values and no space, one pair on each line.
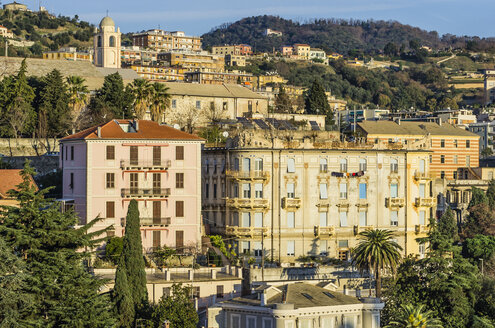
110,152
179,153
110,181
110,210
179,208
133,155
179,180
157,155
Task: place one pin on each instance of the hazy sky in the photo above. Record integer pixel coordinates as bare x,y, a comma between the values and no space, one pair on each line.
195,17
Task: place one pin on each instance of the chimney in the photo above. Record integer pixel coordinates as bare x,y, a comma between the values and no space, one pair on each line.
98,131
136,125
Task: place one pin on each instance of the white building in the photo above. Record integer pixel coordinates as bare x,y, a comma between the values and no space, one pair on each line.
107,44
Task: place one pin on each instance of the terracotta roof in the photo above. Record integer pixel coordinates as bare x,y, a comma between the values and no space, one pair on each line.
146,130
413,128
10,179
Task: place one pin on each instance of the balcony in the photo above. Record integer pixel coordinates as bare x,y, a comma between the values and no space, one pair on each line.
421,228
248,175
128,165
394,202
425,202
359,229
145,193
324,231
245,231
247,202
291,203
421,176
153,222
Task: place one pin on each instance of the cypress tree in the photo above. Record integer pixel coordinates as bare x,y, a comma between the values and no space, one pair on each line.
132,255
124,306
317,102
490,194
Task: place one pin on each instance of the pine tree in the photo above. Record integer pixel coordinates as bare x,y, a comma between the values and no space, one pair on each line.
132,254
283,103
64,294
114,95
124,306
317,102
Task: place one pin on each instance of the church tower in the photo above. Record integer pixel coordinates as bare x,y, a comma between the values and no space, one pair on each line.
107,44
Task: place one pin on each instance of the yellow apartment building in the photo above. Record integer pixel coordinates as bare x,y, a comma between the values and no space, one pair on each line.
193,61
166,41
302,50
159,73
68,54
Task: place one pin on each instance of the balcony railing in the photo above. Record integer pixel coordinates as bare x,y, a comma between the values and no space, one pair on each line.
142,193
359,229
423,175
425,201
155,221
421,228
324,231
394,202
247,202
253,175
145,164
291,202
245,231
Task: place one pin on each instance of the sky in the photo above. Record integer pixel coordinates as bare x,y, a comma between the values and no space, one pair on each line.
195,17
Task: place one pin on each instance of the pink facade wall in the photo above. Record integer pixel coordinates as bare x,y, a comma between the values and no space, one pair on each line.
94,204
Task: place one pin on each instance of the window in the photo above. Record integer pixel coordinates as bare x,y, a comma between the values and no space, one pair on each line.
394,190
442,174
225,105
394,165
220,291
174,103
394,218
166,292
246,190
291,248
179,153
157,155
110,152
290,190
110,210
198,104
468,143
157,239
454,174
71,153
235,320
363,165
323,219
257,249
442,159
362,191
134,182
214,190
343,218
258,190
422,190
207,190
442,143
246,220
455,159
422,217
291,165
323,247
323,165
363,218
110,180
236,164
250,322
343,190
323,191
455,143
343,165
157,182
99,40
66,153
291,218
431,159
246,164
179,208
422,250
468,161
112,41
267,323
258,164
422,165
258,220
196,292
236,190
179,180
245,247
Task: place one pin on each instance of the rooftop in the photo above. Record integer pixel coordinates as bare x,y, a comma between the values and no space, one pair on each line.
413,128
10,179
132,129
211,90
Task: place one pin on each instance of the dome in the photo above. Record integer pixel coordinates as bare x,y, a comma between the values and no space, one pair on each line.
107,21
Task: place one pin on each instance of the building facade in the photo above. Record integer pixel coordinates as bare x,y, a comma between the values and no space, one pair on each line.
489,86
159,73
4,32
69,54
166,41
219,78
107,44
193,61
451,147
284,195
107,166
235,60
301,50
237,49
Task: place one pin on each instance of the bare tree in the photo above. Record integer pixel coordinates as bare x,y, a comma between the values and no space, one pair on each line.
213,114
187,119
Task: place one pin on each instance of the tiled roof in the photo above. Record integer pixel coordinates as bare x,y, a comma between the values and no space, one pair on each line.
10,179
413,128
211,90
146,130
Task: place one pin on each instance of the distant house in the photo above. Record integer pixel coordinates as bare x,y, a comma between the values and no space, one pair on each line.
269,32
9,180
5,32
302,50
15,6
286,50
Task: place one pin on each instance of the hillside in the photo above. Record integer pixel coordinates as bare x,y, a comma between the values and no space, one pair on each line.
47,31
334,35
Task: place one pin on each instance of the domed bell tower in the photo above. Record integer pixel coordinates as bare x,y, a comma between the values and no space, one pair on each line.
107,44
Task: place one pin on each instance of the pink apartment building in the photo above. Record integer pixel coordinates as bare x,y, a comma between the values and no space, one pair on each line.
106,166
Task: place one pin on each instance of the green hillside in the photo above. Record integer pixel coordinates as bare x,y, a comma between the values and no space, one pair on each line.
47,31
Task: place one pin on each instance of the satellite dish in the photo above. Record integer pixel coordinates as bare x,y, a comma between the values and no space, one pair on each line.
177,126
225,134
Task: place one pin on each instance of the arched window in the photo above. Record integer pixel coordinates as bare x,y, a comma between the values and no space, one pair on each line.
394,165
99,40
112,41
323,165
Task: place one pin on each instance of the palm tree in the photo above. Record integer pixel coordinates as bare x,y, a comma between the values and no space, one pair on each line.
160,100
78,96
142,90
375,252
413,316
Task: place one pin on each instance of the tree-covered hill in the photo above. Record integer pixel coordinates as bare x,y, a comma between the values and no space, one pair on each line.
47,31
333,35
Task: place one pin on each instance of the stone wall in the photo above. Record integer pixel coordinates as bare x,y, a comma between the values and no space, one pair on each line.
42,164
26,146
